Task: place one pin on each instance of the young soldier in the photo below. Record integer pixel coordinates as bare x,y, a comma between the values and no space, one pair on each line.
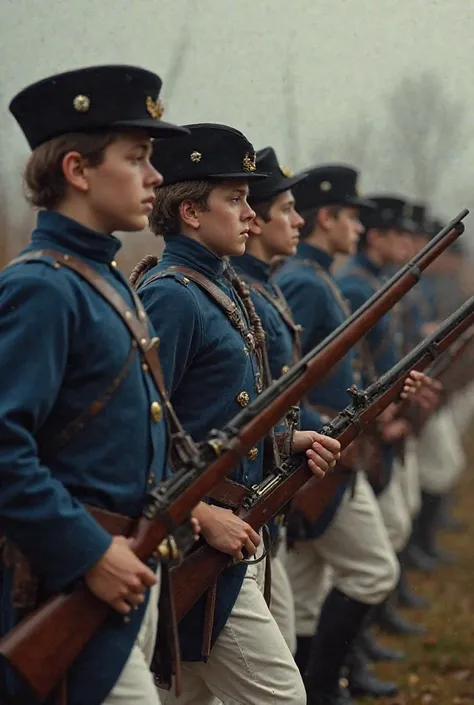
350,536
211,347
80,418
439,450
385,242
274,233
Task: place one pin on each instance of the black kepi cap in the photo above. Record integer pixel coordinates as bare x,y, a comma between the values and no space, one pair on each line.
209,151
279,179
93,98
389,212
327,185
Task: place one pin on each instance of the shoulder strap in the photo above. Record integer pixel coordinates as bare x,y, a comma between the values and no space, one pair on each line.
229,307
137,325
331,284
363,274
279,303
364,357
367,356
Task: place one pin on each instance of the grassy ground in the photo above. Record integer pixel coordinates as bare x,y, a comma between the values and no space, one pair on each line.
439,668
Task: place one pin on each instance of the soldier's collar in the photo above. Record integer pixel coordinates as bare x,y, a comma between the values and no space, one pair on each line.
73,237
190,253
254,267
307,251
367,263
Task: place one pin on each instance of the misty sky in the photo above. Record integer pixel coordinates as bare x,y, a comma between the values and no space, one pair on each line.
302,75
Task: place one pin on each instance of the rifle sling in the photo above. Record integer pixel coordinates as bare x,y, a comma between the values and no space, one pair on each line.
136,324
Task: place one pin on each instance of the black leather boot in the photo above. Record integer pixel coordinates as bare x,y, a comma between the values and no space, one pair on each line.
406,597
339,624
391,622
446,521
426,528
303,645
361,681
416,559
377,652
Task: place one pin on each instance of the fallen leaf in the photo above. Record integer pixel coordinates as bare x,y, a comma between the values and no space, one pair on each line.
426,699
463,674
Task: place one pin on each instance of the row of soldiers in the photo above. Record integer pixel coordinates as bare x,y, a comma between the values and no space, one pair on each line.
244,288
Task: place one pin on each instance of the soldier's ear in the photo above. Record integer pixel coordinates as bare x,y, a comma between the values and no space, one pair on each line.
189,214
255,226
324,217
372,236
74,168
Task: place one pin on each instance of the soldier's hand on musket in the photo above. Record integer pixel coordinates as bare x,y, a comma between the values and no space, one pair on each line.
322,452
224,531
412,384
429,395
119,577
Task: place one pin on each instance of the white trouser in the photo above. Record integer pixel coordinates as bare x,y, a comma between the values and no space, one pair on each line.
250,663
282,605
440,453
354,555
394,508
462,406
409,478
136,684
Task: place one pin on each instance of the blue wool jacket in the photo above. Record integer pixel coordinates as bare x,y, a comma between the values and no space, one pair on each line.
359,279
61,345
210,373
316,308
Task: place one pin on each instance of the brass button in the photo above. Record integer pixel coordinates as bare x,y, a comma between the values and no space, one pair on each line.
156,412
246,351
151,479
285,369
242,398
252,454
145,367
185,280
113,263
128,315
298,328
143,341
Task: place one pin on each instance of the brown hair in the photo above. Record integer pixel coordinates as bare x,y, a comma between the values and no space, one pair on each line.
263,208
310,216
164,219
43,178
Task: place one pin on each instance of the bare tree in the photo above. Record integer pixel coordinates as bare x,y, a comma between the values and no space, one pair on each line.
427,129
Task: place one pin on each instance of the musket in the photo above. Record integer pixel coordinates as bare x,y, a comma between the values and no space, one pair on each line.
44,645
438,370
203,566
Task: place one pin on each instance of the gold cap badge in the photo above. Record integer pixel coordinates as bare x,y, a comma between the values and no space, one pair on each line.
155,108
195,157
325,186
249,162
81,103
286,172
